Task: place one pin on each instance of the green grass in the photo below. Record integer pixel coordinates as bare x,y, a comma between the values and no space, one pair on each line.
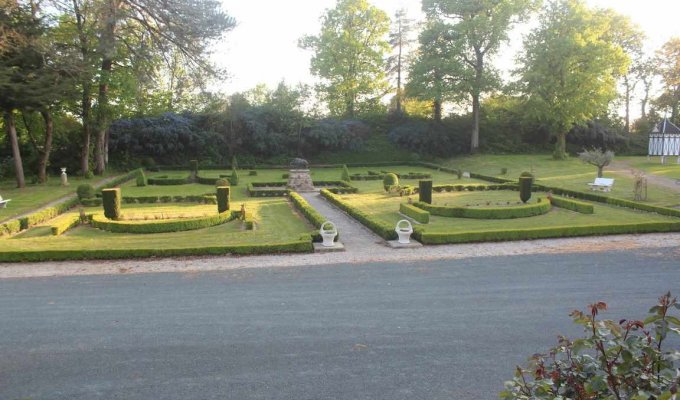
571,174
276,223
35,196
386,208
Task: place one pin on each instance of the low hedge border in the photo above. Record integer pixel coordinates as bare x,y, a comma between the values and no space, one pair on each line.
162,226
256,191
573,205
92,202
523,211
164,181
380,228
311,214
302,245
543,233
65,224
202,199
415,213
472,188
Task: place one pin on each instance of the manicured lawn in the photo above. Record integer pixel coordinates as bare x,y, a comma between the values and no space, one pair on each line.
34,196
571,174
276,223
653,166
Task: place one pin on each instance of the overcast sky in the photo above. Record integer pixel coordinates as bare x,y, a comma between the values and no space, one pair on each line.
263,46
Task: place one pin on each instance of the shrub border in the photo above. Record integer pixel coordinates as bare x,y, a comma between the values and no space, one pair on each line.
178,225
573,205
523,211
415,213
380,228
311,214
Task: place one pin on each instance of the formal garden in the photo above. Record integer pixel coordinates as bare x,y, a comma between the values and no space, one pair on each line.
186,210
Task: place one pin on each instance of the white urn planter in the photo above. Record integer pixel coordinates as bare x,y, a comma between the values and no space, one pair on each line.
328,233
404,229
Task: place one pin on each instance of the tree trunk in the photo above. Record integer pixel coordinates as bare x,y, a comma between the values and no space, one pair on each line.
437,110
627,84
86,101
47,147
108,50
399,72
561,146
474,139
11,128
599,171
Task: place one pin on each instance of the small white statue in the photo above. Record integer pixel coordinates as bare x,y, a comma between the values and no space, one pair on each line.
64,177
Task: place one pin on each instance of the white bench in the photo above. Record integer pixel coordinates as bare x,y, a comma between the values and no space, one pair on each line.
602,184
3,203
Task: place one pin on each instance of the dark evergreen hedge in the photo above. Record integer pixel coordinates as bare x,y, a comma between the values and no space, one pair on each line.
111,200
222,198
425,191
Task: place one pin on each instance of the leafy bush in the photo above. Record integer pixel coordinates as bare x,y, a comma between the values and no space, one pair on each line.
221,182
141,179
390,181
86,191
525,188
252,173
111,200
442,139
425,191
415,213
222,199
616,360
89,175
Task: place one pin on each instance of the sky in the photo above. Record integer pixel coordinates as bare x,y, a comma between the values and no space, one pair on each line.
263,46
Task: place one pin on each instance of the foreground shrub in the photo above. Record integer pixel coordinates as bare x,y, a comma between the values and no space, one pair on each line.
111,200
390,181
616,360
85,191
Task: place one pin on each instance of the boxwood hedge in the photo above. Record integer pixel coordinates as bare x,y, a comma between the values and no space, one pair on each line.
174,225
382,229
311,214
573,205
523,211
415,213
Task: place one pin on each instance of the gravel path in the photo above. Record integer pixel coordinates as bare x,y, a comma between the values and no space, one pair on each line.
356,237
657,180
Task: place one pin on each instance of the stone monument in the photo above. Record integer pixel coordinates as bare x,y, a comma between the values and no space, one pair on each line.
299,178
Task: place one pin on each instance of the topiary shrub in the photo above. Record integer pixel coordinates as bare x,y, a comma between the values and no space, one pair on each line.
111,200
425,191
527,175
141,179
459,173
234,163
390,181
234,177
525,188
86,191
252,173
221,182
222,199
345,173
284,176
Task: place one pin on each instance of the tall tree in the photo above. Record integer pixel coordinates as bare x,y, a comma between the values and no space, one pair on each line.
568,68
349,56
479,27
433,75
400,39
668,64
164,26
646,71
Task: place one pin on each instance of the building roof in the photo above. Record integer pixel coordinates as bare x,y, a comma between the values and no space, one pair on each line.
666,126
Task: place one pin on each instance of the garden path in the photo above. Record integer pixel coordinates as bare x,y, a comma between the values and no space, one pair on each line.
354,236
665,182
59,200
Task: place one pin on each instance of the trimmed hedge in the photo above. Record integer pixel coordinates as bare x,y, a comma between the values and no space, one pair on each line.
380,228
490,178
425,191
93,202
311,214
255,190
302,245
165,181
415,213
64,225
542,233
10,227
222,199
523,211
111,201
573,205
207,181
525,188
175,225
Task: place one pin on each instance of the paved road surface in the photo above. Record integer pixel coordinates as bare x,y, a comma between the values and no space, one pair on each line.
448,329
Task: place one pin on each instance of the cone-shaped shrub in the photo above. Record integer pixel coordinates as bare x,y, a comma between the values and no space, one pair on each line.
111,201
425,191
141,179
234,163
389,181
345,173
234,177
525,188
222,199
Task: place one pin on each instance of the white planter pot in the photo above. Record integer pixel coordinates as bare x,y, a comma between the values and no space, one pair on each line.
328,234
404,230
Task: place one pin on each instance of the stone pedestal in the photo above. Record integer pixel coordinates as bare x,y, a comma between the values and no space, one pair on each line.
300,180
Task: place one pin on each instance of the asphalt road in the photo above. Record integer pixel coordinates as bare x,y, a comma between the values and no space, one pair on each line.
430,330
